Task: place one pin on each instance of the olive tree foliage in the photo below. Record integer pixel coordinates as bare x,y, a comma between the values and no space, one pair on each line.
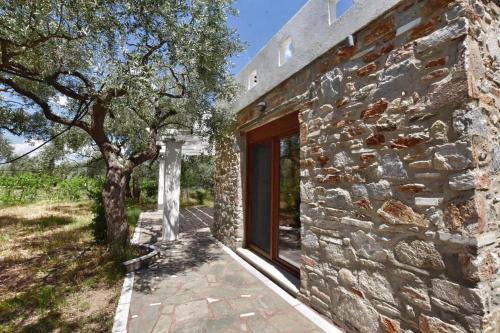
120,71
6,149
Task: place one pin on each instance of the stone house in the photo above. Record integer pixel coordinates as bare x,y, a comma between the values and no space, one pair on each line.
364,163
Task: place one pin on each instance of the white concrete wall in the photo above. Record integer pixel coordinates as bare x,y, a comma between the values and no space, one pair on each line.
312,35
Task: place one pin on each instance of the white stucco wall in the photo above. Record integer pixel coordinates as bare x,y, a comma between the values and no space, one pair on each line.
312,35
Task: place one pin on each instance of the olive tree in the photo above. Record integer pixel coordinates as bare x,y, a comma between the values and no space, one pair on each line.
120,71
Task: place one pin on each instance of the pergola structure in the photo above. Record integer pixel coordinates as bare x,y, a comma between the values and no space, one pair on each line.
174,145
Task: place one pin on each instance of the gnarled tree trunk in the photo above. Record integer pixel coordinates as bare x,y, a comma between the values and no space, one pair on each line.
114,205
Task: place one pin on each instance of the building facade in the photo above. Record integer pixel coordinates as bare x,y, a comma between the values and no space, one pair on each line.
365,160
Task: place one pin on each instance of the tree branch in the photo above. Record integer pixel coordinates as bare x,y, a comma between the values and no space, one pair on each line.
153,49
47,111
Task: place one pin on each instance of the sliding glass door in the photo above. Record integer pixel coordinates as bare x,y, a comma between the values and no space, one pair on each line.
289,200
260,231
273,192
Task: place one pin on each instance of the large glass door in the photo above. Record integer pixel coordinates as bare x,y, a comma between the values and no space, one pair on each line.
273,192
289,201
260,214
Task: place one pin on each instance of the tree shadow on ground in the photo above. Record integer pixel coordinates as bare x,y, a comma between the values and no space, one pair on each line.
40,272
189,252
28,225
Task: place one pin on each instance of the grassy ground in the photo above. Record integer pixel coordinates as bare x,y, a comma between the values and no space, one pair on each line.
53,277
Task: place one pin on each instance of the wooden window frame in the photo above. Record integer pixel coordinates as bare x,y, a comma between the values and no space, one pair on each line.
273,132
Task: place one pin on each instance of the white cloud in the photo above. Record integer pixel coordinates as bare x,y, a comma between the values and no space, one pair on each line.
24,147
62,100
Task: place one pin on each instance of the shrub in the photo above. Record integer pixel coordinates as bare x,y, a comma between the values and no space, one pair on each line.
98,224
29,187
150,188
201,195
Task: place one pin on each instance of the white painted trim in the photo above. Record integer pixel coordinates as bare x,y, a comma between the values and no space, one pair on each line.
270,270
303,309
123,307
122,310
408,26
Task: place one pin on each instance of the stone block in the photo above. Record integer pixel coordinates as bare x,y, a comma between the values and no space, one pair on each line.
461,213
338,198
359,191
376,286
469,180
420,254
495,157
390,325
453,156
406,141
397,213
347,278
335,254
366,70
354,311
435,325
449,32
416,296
439,132
379,191
342,160
424,201
375,110
392,166
356,223
465,298
412,188
368,246
470,122
375,140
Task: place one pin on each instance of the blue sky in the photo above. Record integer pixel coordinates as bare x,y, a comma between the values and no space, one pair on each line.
257,23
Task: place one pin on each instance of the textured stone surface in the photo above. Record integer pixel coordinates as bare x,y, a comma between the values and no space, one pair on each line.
393,167
468,180
400,164
354,311
419,254
453,156
462,297
375,285
395,212
435,325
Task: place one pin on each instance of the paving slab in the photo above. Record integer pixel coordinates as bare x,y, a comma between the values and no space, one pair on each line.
196,286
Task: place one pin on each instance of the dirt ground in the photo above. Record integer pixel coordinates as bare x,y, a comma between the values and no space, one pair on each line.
53,277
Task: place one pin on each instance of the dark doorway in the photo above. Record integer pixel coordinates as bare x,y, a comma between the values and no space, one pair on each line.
273,192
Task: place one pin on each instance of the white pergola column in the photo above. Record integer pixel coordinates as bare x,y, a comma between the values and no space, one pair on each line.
161,178
172,189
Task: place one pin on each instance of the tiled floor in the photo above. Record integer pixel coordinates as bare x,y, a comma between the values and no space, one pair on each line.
197,287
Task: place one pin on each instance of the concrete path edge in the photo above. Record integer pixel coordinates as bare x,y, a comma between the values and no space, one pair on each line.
123,307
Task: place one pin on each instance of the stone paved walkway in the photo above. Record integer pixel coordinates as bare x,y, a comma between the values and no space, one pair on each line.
197,287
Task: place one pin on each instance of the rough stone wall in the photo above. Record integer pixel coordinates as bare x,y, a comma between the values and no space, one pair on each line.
399,176
400,163
482,126
228,219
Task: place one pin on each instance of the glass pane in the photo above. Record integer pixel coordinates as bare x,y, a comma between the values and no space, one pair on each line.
260,192
289,210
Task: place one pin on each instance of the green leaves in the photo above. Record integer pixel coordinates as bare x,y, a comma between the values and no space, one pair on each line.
130,62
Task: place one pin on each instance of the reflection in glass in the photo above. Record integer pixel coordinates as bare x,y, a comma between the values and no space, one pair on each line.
260,210
289,204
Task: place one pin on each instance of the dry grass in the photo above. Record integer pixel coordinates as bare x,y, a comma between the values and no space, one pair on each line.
53,277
